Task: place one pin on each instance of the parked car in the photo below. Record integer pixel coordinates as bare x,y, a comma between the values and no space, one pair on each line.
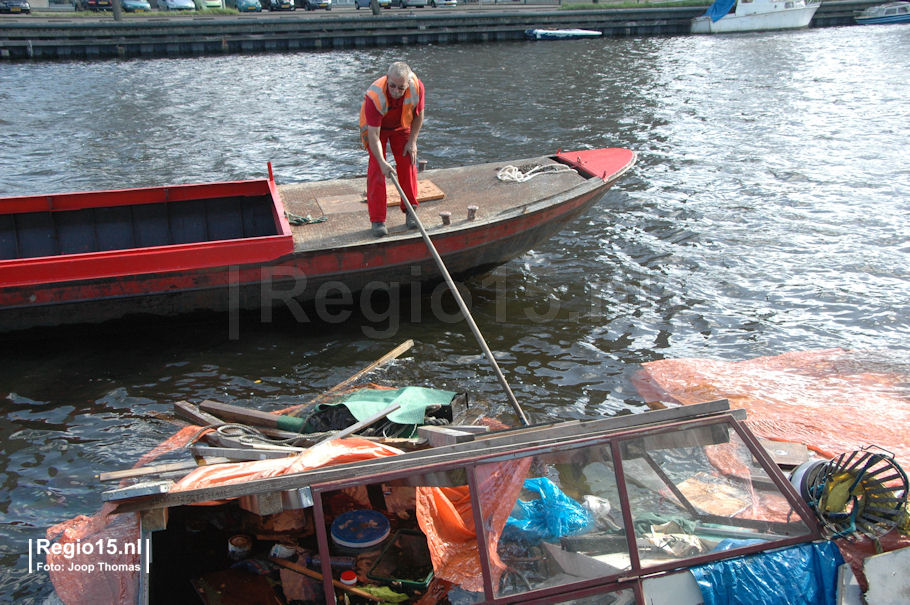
249,6
449,3
211,4
282,5
135,6
366,4
414,3
15,6
94,5
176,5
312,5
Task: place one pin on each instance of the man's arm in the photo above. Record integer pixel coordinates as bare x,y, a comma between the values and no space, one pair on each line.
411,146
376,150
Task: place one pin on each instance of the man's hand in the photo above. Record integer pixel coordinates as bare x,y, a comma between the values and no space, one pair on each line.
411,149
386,168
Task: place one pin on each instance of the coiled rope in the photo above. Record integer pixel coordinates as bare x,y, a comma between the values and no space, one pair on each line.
515,174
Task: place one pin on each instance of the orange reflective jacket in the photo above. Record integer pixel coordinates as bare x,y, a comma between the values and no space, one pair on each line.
376,94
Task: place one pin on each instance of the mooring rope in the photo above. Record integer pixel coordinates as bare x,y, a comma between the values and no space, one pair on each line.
515,174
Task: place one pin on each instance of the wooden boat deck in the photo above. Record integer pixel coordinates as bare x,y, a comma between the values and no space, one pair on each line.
343,202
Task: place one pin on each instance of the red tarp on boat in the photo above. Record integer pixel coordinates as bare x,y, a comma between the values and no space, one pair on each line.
833,400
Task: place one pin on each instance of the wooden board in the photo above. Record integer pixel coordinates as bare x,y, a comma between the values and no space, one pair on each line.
426,191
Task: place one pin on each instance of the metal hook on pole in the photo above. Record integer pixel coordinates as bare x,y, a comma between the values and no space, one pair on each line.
461,304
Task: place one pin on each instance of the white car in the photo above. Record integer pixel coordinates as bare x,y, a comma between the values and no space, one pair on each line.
448,3
415,3
176,5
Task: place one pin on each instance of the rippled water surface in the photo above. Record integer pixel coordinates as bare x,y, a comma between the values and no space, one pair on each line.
769,212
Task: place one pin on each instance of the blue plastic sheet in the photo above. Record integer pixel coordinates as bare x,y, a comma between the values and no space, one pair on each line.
550,516
720,8
803,574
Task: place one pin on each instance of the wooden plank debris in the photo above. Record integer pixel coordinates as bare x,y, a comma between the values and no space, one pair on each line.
500,443
391,355
157,469
318,576
194,414
234,454
258,418
442,435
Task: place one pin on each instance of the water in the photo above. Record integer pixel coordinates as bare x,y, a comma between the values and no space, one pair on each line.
769,212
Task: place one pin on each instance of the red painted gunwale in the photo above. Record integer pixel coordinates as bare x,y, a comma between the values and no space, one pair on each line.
157,259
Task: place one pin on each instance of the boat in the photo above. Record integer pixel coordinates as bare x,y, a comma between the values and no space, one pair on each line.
561,34
754,15
890,12
656,507
88,257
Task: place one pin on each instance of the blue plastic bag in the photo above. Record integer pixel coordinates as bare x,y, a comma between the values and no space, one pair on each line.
550,516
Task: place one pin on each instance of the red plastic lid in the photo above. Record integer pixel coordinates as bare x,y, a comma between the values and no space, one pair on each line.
348,577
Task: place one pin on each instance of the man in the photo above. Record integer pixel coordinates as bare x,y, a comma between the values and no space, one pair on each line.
392,112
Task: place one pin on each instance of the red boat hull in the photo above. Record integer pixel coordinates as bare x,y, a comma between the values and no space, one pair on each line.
218,278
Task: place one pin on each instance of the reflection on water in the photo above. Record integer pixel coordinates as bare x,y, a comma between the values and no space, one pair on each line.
768,213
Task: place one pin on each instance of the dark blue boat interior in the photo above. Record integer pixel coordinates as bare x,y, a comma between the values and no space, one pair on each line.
34,234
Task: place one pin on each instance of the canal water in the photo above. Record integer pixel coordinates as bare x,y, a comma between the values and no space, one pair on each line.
769,212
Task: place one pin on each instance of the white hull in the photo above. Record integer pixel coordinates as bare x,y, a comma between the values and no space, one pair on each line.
790,18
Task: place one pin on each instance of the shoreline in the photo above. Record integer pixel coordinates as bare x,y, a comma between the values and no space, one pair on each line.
54,39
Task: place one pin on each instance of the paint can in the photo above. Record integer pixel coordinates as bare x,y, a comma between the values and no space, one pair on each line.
354,531
239,547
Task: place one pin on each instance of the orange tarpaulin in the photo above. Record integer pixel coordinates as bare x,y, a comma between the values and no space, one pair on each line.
338,451
447,519
833,400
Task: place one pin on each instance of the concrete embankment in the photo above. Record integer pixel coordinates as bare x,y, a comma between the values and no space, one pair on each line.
52,39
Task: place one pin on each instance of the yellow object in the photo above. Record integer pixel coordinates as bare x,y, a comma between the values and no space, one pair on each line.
839,492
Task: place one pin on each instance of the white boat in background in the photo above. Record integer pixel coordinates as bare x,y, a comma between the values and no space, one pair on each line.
754,15
561,34
892,12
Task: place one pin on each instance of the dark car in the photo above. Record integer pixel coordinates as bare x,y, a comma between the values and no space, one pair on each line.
282,5
312,5
94,5
15,6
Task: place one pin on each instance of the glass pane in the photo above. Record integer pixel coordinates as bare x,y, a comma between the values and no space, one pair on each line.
565,525
699,490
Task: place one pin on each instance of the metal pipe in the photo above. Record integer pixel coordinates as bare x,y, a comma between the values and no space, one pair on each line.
461,304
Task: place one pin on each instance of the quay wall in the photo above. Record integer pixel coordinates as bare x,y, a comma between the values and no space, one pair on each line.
152,37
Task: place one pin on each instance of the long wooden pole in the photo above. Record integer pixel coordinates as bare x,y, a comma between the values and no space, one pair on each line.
294,410
393,354
461,305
